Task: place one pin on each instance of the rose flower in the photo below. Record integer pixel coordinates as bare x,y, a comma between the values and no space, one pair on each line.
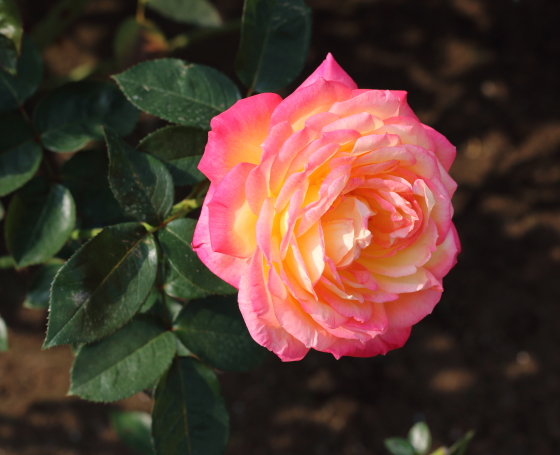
330,211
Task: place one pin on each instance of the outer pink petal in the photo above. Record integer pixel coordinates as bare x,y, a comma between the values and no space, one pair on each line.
231,232
381,344
445,257
330,71
443,149
255,306
228,268
237,135
404,109
411,308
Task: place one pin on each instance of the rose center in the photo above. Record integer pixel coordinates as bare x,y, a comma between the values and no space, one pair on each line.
345,229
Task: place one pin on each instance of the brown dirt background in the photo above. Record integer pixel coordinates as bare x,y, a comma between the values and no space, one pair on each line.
484,73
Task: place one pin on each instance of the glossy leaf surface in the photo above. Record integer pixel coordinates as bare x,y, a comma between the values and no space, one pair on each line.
128,361
39,221
178,287
20,156
39,291
214,330
15,90
74,114
274,43
102,285
180,148
189,416
175,240
141,183
196,12
178,91
85,175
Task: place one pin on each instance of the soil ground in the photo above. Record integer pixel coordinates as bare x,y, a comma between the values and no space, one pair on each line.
484,73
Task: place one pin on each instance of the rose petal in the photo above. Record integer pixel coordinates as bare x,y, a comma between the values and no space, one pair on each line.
228,268
237,135
330,71
232,223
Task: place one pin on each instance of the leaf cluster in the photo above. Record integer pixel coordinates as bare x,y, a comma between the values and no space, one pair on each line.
107,234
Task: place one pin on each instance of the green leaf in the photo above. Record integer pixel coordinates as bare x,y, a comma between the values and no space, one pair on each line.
3,335
39,221
141,183
460,447
180,148
214,330
40,287
85,175
189,416
420,438
196,12
177,91
178,287
133,429
11,32
76,113
102,285
150,300
274,43
399,446
15,90
175,240
175,285
130,360
20,156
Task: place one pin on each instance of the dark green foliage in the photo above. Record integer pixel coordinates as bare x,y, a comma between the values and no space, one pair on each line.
178,91
85,175
197,12
72,115
141,183
175,240
214,330
11,32
180,148
189,416
40,219
39,291
274,43
399,446
134,430
102,286
130,360
15,90
20,156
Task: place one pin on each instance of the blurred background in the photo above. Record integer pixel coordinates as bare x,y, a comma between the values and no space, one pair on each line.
485,74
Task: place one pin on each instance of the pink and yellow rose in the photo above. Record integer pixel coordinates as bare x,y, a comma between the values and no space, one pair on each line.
330,211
